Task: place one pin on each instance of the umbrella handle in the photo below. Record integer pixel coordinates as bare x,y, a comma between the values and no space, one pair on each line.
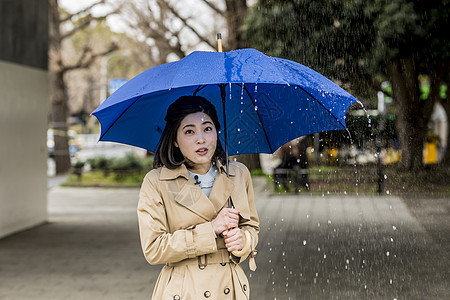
219,42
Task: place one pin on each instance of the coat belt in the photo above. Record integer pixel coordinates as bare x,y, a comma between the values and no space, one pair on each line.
221,256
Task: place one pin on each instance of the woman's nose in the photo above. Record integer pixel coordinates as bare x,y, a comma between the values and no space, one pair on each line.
200,138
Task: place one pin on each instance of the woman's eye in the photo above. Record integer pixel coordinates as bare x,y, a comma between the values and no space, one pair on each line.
208,128
189,131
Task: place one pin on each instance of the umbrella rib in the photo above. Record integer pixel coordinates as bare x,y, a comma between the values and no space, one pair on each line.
199,88
120,116
321,105
259,117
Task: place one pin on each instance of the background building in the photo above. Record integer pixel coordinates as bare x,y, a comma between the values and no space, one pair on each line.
23,113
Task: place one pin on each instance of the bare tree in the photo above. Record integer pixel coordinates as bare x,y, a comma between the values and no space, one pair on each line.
59,67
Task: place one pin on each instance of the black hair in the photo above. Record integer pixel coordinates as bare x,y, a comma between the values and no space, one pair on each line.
167,154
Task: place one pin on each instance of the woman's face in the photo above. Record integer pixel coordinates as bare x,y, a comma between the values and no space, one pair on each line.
197,140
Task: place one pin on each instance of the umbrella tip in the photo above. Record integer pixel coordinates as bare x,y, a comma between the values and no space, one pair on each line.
219,42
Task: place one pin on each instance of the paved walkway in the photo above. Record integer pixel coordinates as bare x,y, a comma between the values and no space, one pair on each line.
330,247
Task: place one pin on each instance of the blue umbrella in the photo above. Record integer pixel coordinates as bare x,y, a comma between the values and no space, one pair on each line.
268,101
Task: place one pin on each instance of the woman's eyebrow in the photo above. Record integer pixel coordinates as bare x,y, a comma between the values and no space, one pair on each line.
192,125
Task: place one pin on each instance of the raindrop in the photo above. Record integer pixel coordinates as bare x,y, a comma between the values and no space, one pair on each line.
387,253
239,130
256,108
394,227
256,88
385,176
329,221
392,240
307,216
304,242
387,192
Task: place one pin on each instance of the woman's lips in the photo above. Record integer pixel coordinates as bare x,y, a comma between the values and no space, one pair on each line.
202,151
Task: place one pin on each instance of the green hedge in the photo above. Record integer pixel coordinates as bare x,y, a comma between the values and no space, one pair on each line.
121,165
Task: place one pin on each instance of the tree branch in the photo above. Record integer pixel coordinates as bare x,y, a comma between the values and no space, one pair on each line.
70,16
214,7
86,22
185,22
83,63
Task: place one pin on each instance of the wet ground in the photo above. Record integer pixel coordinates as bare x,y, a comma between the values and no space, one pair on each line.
332,247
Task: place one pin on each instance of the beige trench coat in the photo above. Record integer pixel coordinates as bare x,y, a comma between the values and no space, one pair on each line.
174,221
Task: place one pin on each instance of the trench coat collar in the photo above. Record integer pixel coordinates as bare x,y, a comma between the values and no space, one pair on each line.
194,199
169,174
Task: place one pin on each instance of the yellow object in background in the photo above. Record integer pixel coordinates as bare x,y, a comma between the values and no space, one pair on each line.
430,153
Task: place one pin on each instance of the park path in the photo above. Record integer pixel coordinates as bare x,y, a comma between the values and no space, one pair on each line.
311,247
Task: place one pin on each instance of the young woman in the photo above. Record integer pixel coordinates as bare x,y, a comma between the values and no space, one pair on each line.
184,218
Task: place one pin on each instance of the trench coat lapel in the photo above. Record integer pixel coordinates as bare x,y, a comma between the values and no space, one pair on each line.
221,191
193,198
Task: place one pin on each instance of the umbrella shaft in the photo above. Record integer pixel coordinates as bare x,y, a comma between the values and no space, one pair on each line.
223,94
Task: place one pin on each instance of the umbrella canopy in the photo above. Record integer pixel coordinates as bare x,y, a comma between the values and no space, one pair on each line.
269,101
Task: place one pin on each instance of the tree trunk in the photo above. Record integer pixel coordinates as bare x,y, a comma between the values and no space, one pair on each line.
235,14
412,113
58,94
59,122
252,160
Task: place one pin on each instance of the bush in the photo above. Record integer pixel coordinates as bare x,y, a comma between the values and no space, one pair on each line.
100,163
128,164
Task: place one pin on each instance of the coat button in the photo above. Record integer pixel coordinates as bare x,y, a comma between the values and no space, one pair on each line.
223,264
207,294
202,267
176,297
226,291
244,287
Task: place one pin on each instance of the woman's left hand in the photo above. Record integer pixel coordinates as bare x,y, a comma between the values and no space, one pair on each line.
234,240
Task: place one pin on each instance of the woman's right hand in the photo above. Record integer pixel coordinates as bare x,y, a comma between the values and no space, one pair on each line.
226,219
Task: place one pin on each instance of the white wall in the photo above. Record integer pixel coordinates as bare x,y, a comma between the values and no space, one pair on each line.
23,151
